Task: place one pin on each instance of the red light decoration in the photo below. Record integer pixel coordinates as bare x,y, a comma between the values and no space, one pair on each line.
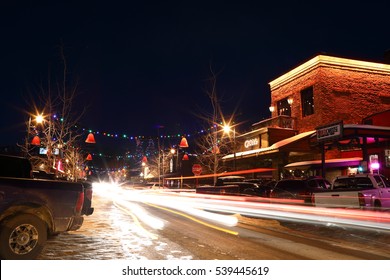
185,157
183,143
89,157
90,139
36,141
144,160
215,150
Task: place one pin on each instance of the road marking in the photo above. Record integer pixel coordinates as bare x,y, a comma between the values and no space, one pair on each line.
137,222
194,219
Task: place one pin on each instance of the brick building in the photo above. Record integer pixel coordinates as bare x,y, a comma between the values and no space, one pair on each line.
326,89
320,92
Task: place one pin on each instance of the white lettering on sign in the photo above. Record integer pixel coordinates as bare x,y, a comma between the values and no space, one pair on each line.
251,142
330,132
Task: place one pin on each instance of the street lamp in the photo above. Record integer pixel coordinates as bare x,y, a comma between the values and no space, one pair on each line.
227,128
143,164
39,118
173,151
35,141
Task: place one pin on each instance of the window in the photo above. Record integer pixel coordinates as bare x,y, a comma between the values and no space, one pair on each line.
307,100
284,108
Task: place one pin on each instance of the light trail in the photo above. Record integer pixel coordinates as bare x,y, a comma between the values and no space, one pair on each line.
122,200
219,208
377,220
196,220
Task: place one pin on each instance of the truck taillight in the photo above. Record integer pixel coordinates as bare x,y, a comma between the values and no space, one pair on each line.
88,193
362,201
79,203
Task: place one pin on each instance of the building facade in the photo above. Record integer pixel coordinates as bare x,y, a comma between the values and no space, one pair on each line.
323,91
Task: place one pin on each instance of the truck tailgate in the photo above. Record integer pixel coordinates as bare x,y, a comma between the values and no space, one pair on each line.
337,199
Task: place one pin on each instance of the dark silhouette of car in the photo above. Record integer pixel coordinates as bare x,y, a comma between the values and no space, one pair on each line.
298,190
235,185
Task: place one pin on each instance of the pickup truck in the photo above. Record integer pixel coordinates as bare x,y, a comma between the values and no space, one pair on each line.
368,191
33,209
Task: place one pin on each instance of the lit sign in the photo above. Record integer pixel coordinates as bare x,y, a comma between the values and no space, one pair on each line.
43,151
251,142
330,132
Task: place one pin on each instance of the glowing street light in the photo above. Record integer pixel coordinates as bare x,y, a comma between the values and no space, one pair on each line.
36,141
227,129
39,118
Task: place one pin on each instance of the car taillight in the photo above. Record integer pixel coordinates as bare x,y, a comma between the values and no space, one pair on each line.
79,203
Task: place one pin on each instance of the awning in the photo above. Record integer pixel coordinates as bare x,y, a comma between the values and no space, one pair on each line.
271,149
339,162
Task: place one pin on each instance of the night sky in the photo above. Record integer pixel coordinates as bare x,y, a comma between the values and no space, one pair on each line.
140,64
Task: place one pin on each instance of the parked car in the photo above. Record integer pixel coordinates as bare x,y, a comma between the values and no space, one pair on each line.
234,185
299,190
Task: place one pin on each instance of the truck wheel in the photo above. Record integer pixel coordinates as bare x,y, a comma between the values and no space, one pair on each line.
22,237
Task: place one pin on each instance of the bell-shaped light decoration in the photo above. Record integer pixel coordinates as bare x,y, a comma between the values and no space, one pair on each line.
215,150
90,138
183,143
144,159
36,141
89,157
185,157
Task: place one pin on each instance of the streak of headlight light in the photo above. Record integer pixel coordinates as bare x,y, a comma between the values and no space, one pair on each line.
278,211
141,214
109,190
137,223
282,214
190,208
274,211
105,189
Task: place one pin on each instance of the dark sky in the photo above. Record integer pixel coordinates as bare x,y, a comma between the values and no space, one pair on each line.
145,63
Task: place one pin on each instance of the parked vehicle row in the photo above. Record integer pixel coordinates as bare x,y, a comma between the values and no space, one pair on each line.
299,190
356,191
237,185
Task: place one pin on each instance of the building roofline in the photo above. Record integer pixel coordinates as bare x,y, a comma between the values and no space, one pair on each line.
329,61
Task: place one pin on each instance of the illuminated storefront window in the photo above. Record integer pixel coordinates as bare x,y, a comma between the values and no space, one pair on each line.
284,108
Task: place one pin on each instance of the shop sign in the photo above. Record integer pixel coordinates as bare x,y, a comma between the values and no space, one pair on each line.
250,143
330,132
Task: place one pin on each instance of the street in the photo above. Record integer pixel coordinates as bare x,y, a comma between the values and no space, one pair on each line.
155,224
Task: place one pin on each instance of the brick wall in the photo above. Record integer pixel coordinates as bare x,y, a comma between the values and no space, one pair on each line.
339,94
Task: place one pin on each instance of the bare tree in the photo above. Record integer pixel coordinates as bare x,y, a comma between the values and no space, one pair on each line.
213,145
59,134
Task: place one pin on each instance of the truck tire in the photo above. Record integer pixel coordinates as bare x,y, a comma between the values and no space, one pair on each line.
22,237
